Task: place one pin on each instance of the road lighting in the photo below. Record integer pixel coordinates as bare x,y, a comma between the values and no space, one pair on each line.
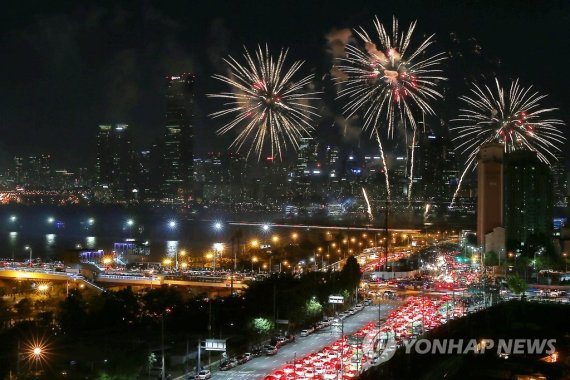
91,221
172,224
218,249
217,226
565,255
253,260
50,220
265,227
275,239
13,218
28,248
254,243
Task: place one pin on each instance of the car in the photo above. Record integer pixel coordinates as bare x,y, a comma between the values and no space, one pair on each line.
307,332
270,350
228,364
204,375
241,359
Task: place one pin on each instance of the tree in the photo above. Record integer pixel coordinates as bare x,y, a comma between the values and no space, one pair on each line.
350,274
72,312
491,258
517,285
313,309
5,313
261,326
24,308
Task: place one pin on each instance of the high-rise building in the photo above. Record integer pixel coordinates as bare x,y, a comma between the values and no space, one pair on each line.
33,171
116,164
528,197
177,146
489,191
560,181
332,156
307,161
438,167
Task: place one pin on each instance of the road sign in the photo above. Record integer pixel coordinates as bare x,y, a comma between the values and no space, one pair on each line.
336,299
215,345
282,321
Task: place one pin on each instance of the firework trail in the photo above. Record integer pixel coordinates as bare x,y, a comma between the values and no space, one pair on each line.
385,165
265,104
513,118
369,210
388,80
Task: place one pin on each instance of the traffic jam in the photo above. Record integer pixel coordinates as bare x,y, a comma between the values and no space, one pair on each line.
348,356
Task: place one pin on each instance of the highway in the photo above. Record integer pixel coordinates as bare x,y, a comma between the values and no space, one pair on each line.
259,367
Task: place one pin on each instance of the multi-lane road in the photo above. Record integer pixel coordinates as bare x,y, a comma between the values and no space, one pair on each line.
262,366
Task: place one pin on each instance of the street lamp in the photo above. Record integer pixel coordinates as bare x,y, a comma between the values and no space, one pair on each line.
13,218
218,249
217,226
265,227
28,248
50,220
172,224
565,255
91,221
253,260
254,243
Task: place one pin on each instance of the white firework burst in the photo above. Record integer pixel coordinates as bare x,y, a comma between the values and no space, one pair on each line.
267,105
513,118
388,80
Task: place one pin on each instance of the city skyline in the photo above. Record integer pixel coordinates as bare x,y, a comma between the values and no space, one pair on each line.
138,84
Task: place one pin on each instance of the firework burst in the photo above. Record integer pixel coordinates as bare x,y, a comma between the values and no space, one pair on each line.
388,80
267,105
513,118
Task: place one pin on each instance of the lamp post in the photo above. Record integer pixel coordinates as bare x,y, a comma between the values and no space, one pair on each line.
218,248
565,255
28,248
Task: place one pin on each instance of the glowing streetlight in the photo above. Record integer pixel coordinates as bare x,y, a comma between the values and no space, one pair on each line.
275,238
130,222
43,288
28,248
172,224
50,220
294,236
13,218
184,265
218,226
91,221
254,243
167,262
265,227
107,261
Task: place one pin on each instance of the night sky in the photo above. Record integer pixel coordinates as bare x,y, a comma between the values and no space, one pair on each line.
69,66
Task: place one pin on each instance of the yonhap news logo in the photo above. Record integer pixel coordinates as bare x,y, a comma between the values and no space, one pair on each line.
474,346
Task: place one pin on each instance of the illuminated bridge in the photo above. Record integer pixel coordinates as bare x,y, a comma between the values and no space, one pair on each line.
206,282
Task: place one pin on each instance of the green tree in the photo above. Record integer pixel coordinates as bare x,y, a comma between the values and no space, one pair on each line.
491,258
517,285
313,309
261,326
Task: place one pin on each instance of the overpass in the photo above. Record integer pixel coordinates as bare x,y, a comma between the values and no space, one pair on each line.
208,282
46,275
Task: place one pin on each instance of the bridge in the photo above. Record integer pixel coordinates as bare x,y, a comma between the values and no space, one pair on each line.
207,282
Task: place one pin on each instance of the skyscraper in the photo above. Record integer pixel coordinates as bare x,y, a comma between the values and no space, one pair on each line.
560,181
489,192
116,161
528,197
177,155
